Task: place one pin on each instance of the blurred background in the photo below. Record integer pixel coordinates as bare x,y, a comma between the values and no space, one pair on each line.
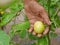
14,15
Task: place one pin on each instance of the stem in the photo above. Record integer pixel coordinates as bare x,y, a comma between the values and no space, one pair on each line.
56,12
48,3
43,2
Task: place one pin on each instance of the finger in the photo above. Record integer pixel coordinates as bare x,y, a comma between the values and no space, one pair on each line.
39,35
31,29
44,15
46,31
32,21
34,33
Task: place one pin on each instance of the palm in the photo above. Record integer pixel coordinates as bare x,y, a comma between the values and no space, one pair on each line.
36,12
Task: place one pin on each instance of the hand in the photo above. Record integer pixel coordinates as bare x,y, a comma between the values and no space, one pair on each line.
36,12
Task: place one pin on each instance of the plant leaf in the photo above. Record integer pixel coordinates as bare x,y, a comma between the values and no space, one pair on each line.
22,34
43,41
52,35
22,27
13,10
32,36
4,38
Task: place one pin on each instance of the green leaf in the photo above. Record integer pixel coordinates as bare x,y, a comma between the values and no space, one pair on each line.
22,34
43,41
53,2
6,19
22,27
13,11
4,38
40,41
32,36
52,35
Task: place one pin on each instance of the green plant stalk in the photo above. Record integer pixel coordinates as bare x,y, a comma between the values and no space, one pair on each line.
48,2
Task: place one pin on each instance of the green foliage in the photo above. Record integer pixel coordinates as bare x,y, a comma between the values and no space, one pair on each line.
21,28
4,38
52,34
52,6
22,34
32,37
43,41
3,5
14,8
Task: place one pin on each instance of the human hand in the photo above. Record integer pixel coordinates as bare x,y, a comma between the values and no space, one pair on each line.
36,12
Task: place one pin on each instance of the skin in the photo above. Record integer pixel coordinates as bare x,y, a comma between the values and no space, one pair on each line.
36,12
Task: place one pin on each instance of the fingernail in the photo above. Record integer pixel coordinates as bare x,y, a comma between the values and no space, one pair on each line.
33,33
39,35
30,30
49,23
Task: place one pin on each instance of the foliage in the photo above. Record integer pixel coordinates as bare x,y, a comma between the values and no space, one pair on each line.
21,28
52,6
4,38
14,8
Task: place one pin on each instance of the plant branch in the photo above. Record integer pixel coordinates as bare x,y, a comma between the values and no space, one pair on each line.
48,3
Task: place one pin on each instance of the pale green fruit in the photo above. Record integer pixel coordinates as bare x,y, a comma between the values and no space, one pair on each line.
39,27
